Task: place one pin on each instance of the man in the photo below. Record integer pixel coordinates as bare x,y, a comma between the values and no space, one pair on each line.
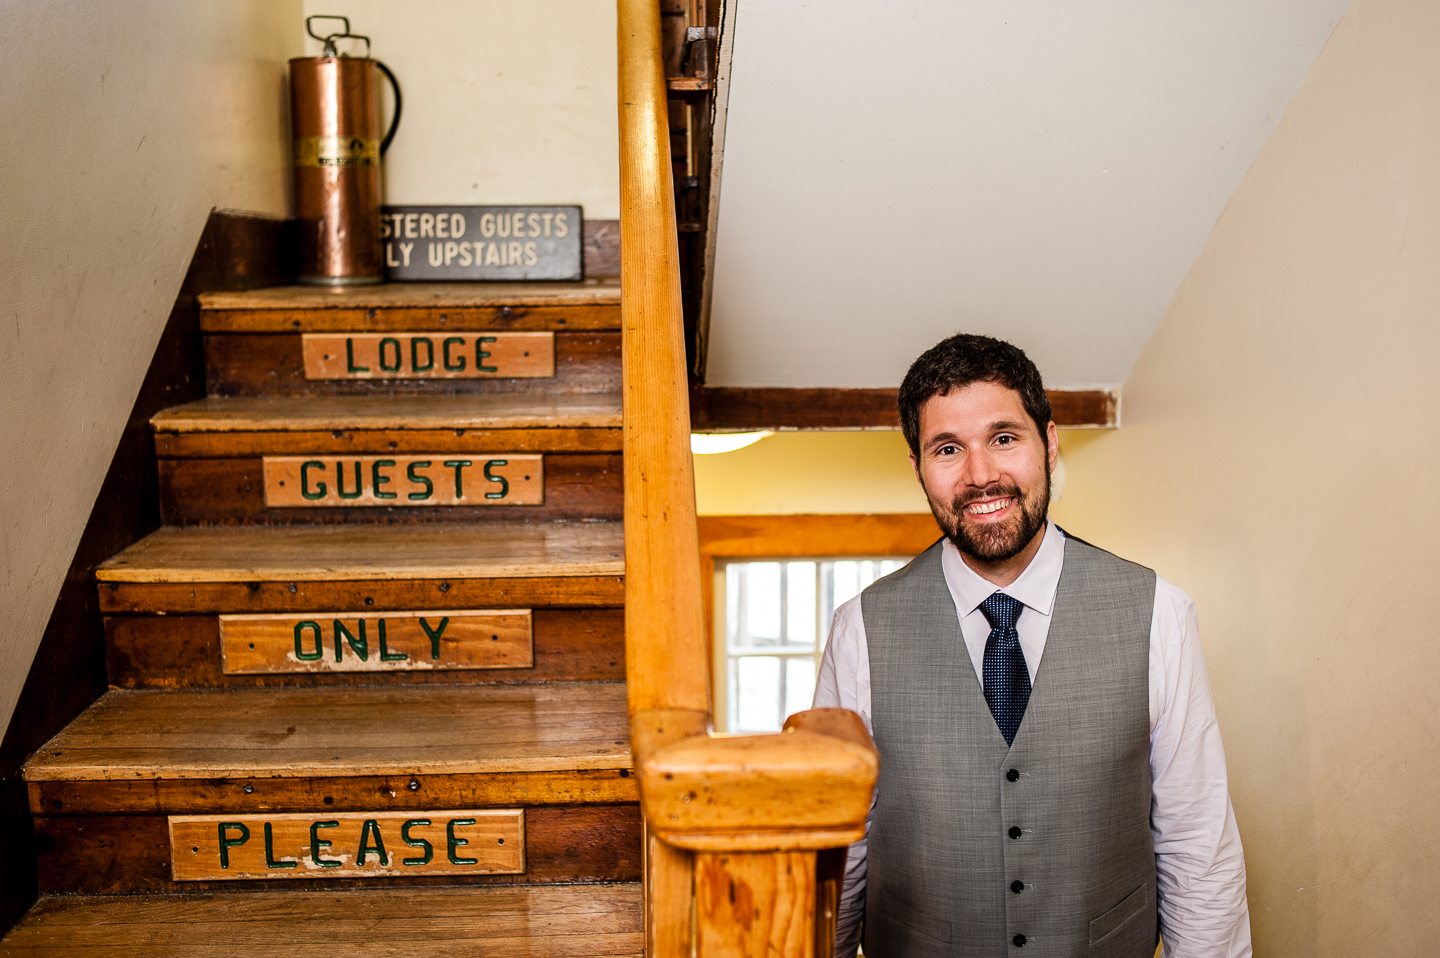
1051,770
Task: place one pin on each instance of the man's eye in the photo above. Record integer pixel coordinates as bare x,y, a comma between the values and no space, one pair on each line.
947,450
1004,440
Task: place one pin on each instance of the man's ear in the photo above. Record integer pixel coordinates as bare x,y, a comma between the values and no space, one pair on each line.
915,467
1052,445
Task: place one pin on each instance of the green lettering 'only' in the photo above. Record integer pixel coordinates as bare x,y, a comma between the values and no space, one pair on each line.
455,843
434,635
393,344
481,354
300,629
459,466
417,842
419,480
317,843
504,483
377,479
415,342
350,366
458,363
371,827
270,860
227,843
358,644
340,481
305,468
385,654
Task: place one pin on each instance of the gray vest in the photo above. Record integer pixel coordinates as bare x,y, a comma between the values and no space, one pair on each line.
942,862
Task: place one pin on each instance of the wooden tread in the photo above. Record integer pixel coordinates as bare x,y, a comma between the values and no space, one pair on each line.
558,921
340,732
329,413
414,306
320,553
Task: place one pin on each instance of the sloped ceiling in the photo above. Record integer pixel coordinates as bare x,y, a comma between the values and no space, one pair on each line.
1041,170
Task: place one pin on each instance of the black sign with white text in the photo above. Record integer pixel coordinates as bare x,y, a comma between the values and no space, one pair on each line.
429,243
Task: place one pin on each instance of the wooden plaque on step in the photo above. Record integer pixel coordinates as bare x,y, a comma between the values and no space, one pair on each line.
431,355
347,845
426,479
376,641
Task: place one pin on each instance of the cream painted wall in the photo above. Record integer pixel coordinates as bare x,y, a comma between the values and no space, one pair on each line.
125,123
1279,461
504,102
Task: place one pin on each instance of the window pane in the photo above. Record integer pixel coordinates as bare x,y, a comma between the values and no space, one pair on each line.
757,694
799,685
800,616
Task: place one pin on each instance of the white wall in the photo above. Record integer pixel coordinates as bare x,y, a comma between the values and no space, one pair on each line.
1278,460
125,123
505,102
1043,171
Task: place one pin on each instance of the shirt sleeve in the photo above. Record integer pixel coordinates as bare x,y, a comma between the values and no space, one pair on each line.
1199,861
839,686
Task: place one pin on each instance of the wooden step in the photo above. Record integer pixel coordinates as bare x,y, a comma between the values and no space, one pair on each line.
105,790
572,921
238,460
414,307
336,569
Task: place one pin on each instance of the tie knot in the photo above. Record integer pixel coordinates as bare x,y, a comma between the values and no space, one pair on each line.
1001,611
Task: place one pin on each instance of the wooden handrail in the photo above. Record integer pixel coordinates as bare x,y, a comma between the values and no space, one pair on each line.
744,835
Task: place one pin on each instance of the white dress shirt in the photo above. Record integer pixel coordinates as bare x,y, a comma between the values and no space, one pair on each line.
1199,864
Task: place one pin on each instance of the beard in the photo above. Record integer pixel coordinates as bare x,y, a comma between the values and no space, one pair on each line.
994,543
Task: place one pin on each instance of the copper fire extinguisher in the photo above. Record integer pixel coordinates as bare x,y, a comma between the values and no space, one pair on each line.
335,120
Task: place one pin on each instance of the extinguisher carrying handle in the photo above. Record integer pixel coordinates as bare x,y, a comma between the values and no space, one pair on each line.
394,120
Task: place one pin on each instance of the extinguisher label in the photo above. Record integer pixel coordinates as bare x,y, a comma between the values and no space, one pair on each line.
337,151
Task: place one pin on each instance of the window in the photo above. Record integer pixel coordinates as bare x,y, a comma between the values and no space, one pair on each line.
775,618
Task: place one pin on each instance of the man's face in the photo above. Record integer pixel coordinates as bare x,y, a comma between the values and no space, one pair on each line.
986,469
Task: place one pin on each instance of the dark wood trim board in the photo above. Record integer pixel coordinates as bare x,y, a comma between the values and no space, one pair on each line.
729,409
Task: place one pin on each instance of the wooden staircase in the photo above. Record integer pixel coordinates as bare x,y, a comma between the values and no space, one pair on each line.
396,706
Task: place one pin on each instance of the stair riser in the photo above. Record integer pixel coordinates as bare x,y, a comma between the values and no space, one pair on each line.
179,598
273,365
222,491
128,854
183,651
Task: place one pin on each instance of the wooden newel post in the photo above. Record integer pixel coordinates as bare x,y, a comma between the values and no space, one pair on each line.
755,904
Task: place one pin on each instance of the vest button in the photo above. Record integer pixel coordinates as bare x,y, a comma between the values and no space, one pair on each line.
1017,886
1015,831
1012,776
1019,941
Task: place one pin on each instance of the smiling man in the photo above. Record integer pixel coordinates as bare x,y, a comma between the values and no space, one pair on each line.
1052,779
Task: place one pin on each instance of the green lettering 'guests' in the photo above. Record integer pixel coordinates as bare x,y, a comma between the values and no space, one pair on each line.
459,363
317,843
377,479
227,843
358,645
504,483
455,843
392,343
419,480
320,490
415,342
270,860
434,635
458,465
417,842
350,358
340,481
481,354
385,654
300,629
371,827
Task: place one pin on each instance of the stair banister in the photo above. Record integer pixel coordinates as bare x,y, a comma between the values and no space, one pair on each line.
744,835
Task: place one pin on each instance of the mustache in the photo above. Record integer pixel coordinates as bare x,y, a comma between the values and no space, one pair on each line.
993,491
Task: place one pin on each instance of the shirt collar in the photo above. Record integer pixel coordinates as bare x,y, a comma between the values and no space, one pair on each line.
1035,587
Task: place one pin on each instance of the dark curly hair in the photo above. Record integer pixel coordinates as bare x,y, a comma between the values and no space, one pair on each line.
963,359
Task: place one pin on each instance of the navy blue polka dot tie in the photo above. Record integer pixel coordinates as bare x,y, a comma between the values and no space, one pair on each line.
1007,680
